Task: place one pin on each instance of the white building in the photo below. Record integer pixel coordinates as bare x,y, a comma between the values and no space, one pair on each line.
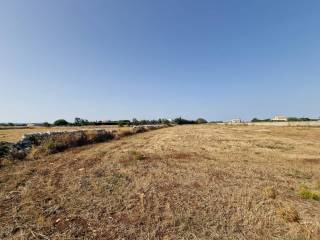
280,118
236,120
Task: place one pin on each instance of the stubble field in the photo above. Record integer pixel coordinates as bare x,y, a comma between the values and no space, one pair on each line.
183,182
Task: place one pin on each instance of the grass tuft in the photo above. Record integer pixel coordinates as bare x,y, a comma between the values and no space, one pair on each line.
270,192
133,158
306,193
289,214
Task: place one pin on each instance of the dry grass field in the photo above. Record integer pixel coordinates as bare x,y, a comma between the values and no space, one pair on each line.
183,182
13,134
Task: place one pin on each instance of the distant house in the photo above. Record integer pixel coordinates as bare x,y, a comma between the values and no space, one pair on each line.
280,118
236,120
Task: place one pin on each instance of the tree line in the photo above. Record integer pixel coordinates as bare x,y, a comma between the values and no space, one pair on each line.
134,121
289,119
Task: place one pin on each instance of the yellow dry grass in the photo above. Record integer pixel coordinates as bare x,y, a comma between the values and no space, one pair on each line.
184,182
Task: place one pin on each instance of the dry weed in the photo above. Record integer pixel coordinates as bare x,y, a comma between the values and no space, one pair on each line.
270,192
289,214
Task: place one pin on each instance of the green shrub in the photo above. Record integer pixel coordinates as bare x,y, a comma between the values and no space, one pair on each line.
60,122
260,120
201,121
305,193
181,121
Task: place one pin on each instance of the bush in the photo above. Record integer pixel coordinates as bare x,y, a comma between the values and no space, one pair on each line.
181,121
260,120
295,119
305,193
288,214
81,122
46,124
201,121
269,192
60,122
122,123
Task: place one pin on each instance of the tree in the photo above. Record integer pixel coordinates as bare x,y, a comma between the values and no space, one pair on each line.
80,121
181,121
201,121
164,121
255,120
124,123
135,121
260,120
46,124
60,122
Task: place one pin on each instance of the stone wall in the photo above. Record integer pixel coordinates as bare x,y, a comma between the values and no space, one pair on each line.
20,149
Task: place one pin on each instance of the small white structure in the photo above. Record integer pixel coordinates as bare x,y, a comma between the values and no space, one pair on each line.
236,120
280,118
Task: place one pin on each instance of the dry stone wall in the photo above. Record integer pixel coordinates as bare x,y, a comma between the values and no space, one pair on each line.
20,149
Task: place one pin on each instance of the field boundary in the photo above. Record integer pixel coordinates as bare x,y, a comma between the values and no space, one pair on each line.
58,141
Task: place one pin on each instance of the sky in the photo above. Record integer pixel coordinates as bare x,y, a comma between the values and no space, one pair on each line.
149,59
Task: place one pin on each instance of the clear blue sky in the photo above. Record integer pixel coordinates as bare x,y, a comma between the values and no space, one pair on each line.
119,59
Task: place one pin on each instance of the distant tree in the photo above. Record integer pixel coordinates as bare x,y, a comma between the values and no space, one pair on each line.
295,119
164,121
80,122
261,120
77,121
135,121
201,121
46,124
178,120
60,122
181,121
143,122
255,120
124,123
